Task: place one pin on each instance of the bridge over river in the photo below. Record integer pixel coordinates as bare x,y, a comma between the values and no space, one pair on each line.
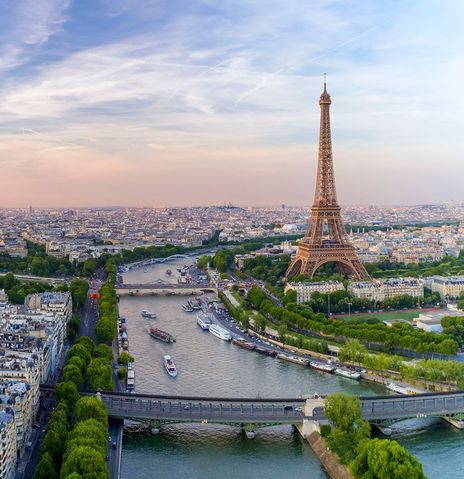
379,410
161,288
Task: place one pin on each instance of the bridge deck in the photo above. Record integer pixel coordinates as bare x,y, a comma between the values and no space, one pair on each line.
278,410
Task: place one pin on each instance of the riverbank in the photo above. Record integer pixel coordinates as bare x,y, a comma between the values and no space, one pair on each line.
327,458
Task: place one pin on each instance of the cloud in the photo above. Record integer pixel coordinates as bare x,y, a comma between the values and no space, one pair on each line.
231,89
27,25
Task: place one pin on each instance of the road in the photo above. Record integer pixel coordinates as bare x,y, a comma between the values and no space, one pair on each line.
115,431
204,409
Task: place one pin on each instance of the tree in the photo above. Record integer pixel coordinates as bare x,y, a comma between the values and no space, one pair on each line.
100,375
125,358
290,297
72,373
122,374
52,445
76,361
106,329
87,343
89,267
202,262
80,351
67,391
385,459
283,331
88,433
45,468
344,412
105,352
89,407
79,288
353,350
87,462
260,323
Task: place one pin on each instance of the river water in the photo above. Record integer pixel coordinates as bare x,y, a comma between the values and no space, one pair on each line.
208,366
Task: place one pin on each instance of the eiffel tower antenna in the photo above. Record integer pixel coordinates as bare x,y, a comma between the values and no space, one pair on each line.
326,240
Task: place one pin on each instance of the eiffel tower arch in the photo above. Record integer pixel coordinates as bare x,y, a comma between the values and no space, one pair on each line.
326,240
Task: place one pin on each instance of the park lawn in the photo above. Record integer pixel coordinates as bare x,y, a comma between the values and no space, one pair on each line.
406,315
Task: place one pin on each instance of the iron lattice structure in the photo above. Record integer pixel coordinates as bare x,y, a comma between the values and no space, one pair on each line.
326,240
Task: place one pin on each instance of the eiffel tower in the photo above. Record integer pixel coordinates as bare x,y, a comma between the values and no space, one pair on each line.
326,240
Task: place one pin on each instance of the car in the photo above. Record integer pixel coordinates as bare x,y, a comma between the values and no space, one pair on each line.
107,458
299,409
113,445
187,407
109,438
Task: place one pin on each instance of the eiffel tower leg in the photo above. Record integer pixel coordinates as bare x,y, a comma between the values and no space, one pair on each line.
296,267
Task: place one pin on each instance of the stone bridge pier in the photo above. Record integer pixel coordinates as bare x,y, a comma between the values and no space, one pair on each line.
309,409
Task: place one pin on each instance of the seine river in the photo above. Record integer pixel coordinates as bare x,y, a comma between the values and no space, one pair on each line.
209,366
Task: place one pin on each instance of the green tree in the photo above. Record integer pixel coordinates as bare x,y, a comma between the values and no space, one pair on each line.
122,374
53,445
344,413
125,358
45,468
89,407
87,343
100,375
105,352
202,262
106,329
89,267
67,391
72,373
85,461
81,352
385,459
88,433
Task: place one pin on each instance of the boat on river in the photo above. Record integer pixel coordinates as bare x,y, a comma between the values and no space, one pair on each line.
194,304
168,272
220,332
187,308
326,368
148,314
170,366
293,359
401,389
346,373
204,321
162,335
242,343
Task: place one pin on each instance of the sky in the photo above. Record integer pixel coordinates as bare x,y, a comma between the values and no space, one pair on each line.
199,102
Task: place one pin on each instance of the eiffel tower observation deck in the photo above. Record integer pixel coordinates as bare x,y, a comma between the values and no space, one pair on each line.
326,240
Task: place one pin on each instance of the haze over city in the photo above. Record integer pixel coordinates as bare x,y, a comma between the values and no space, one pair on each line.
140,103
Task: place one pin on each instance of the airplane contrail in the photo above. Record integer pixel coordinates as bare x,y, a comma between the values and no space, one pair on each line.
66,144
203,73
264,81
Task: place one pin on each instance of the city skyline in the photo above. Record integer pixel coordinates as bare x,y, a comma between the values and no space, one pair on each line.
138,104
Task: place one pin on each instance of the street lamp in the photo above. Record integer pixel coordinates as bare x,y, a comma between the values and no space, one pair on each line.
328,305
349,309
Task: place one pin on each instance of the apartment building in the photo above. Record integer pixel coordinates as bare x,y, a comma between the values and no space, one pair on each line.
7,444
379,290
305,290
448,287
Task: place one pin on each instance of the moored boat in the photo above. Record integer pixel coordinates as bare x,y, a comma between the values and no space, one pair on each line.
346,373
241,343
187,308
327,368
293,359
170,366
401,389
220,332
161,335
148,314
168,272
204,321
